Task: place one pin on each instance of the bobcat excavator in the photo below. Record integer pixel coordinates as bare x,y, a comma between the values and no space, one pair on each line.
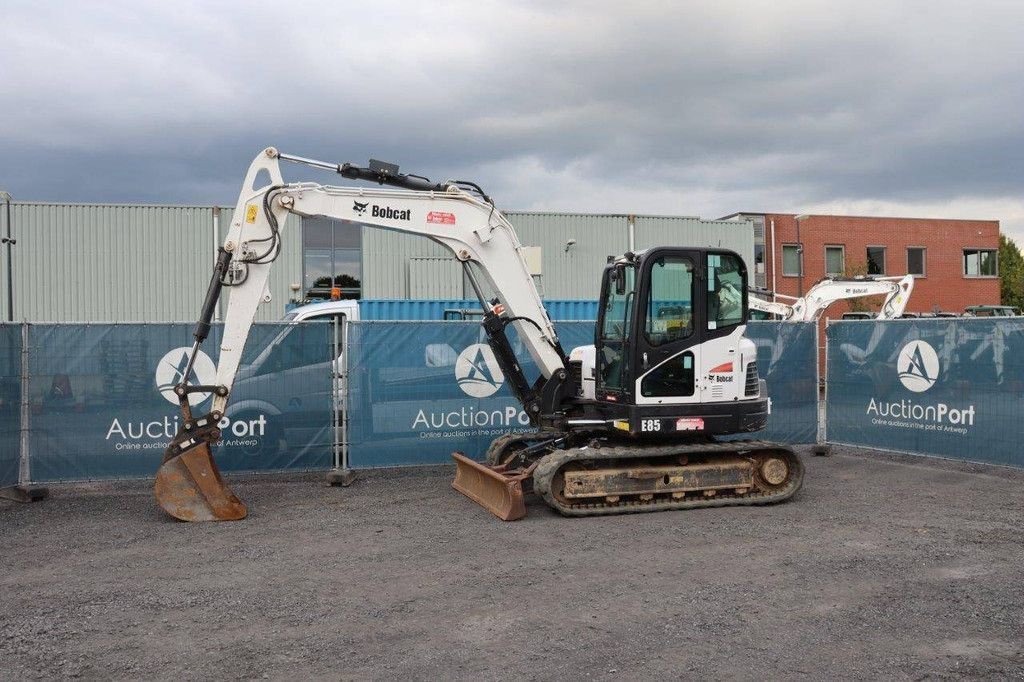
811,305
672,368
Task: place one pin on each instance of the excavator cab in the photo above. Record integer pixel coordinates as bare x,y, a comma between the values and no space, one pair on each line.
670,336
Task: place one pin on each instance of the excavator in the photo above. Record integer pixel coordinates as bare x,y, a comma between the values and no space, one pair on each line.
672,370
824,293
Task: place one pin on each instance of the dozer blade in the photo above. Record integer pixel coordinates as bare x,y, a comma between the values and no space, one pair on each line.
189,487
496,491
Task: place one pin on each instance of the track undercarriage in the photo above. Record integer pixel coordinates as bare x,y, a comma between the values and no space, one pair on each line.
581,475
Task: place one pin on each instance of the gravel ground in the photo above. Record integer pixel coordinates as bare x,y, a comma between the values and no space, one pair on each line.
881,567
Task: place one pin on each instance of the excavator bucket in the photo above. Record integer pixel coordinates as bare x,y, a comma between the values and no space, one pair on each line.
494,488
189,487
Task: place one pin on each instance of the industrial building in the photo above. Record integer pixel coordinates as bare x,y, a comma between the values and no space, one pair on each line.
125,263
954,262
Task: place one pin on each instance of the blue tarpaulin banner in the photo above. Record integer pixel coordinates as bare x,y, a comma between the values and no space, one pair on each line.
951,388
420,390
102,405
10,403
787,359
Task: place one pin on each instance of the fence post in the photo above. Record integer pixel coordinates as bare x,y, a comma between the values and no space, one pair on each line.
24,491
341,474
821,447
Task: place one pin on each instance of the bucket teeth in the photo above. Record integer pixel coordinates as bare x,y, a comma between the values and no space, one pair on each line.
189,487
493,489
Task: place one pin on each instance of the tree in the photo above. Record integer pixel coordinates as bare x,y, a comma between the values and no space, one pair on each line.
864,304
1011,273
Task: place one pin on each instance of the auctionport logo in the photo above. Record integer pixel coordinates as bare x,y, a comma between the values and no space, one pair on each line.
477,371
170,372
918,366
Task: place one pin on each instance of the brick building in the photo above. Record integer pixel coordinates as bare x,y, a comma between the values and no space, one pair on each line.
954,261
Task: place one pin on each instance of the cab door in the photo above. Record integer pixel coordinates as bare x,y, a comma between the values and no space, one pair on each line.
669,328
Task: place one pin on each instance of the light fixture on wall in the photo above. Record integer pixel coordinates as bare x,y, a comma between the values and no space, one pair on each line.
569,244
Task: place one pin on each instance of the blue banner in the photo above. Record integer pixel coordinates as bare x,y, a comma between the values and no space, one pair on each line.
10,403
951,388
102,402
417,391
420,390
787,359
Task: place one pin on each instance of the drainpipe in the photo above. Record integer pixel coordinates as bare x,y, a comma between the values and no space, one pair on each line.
800,255
774,285
631,233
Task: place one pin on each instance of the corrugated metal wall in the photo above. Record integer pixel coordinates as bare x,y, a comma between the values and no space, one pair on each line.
127,263
435,278
124,263
670,231
574,273
386,256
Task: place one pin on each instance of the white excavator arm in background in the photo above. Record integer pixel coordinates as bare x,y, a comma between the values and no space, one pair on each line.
456,214
819,297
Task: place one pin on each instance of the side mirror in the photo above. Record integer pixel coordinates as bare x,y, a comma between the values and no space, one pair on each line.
619,276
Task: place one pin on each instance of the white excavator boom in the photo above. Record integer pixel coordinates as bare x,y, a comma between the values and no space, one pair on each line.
456,214
819,297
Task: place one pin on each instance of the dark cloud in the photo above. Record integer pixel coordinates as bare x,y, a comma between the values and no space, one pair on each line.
648,107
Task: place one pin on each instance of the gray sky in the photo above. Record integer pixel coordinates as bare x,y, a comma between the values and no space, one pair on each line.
889,108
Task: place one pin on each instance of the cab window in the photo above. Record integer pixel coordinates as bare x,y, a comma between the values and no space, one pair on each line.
725,290
669,305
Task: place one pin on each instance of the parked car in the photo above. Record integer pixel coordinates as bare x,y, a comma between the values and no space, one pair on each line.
992,311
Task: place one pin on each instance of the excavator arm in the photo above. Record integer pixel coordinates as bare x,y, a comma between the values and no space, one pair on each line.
456,214
818,298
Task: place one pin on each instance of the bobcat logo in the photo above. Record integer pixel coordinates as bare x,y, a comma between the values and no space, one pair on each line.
477,371
918,366
359,208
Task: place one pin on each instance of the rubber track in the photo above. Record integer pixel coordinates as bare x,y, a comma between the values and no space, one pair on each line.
551,463
502,442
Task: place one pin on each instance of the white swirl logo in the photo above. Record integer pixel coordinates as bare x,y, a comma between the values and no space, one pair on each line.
172,366
918,366
477,371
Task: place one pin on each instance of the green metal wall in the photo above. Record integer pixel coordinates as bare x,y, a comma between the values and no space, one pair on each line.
567,273
123,263
140,263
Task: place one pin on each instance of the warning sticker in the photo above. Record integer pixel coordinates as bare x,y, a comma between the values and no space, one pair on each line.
250,213
441,218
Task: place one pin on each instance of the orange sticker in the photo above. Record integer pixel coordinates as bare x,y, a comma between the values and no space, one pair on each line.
441,218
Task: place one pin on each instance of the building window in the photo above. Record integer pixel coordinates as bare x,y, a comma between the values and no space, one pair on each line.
835,261
791,260
916,261
331,258
980,263
876,260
